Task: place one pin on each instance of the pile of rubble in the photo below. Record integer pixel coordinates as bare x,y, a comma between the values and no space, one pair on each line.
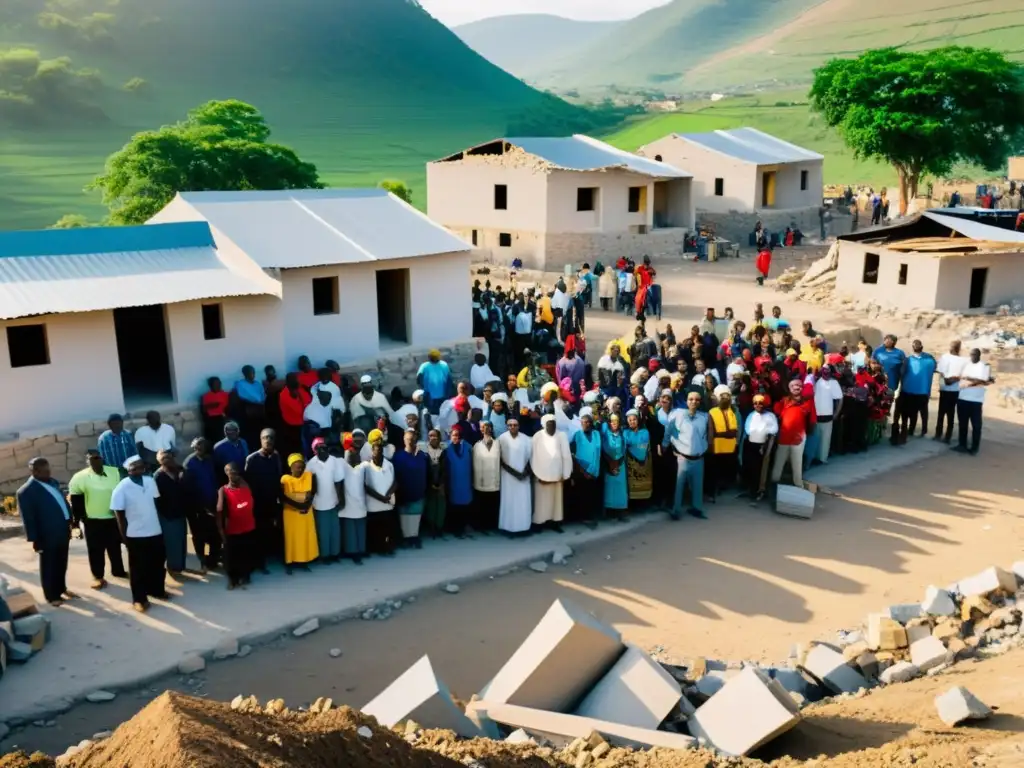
23,630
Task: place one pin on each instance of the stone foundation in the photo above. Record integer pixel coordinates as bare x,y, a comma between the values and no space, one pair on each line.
576,248
65,448
737,225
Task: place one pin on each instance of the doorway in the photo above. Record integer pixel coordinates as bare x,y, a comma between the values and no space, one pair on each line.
768,189
393,307
141,334
979,279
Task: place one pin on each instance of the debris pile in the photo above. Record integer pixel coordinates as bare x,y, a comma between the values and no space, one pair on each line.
23,630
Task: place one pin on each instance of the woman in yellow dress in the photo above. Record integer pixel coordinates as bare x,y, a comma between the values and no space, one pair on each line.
298,488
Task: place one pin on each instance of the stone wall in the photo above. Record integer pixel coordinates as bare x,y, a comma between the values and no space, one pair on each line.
576,248
737,225
65,448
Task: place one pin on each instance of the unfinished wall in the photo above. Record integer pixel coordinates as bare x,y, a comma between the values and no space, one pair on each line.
737,225
608,248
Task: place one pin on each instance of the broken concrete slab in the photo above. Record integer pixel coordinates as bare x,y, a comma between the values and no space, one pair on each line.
831,670
558,663
561,729
751,710
885,633
938,602
957,705
904,612
419,695
928,652
900,672
987,582
636,691
306,627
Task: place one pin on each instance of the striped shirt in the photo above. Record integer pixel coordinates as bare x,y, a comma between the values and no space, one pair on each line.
116,449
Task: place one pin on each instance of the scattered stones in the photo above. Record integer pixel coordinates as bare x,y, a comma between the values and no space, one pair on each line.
452,589
335,652
601,750
1004,616
958,705
236,702
306,628
917,632
560,554
364,732
928,652
98,697
275,707
191,664
948,628
539,566
226,648
519,736
934,671
938,602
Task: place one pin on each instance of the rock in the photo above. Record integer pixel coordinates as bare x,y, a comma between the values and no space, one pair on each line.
191,664
583,759
988,582
885,633
867,662
538,567
226,648
601,750
364,732
905,612
321,705
275,707
636,691
335,652
560,554
830,668
918,631
18,652
975,608
934,671
852,651
451,589
900,672
958,648
595,740
101,735
236,702
84,743
948,628
938,602
306,627
711,684
958,705
519,736
928,652
244,651
1004,616
98,697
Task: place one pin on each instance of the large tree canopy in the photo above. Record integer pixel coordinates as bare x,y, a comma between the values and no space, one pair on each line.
923,111
221,146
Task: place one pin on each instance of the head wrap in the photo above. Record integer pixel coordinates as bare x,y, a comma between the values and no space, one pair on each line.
434,353
547,418
586,412
790,351
834,358
611,400
762,399
317,442
632,412
549,387
663,374
294,458
590,397
374,436
666,393
500,397
365,379
358,431
127,462
461,404
653,366
614,418
418,394
722,389
346,441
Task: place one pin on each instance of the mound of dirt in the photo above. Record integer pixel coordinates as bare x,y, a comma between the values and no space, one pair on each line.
21,760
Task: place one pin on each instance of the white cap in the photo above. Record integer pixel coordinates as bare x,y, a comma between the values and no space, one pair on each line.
590,397
131,460
586,411
501,397
545,419
417,395
366,379
722,389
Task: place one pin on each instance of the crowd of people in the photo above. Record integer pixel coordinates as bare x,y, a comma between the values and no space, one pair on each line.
316,468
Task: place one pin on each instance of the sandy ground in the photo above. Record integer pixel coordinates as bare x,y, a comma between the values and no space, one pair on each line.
744,585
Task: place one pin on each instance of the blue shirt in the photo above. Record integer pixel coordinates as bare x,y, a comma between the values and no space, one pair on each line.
587,450
201,481
250,391
687,434
892,364
410,475
116,449
435,378
459,465
225,452
918,377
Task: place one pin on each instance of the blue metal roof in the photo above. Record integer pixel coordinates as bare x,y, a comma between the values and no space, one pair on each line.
89,240
751,146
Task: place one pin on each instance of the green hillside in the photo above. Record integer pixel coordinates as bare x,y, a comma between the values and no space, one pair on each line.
530,44
366,90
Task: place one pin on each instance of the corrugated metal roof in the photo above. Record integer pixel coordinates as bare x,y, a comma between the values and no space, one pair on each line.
49,271
976,230
315,227
751,146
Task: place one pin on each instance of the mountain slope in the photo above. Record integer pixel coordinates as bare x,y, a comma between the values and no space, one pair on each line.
530,44
366,90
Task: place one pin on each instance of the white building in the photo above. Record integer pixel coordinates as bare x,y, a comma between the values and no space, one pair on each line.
746,171
553,201
105,320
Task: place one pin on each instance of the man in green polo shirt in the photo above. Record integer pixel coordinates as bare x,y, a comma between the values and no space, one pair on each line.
90,492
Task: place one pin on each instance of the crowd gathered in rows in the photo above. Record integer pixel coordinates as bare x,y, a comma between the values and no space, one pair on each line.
315,468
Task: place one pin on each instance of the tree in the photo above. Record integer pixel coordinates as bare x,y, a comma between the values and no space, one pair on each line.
221,146
923,111
71,221
397,188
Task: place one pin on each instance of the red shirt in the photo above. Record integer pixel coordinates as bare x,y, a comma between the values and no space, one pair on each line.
293,407
308,379
238,506
794,420
215,403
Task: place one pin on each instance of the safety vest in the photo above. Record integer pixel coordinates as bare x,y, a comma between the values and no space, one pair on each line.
724,421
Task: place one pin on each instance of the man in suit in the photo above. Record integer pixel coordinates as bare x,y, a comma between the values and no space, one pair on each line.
48,524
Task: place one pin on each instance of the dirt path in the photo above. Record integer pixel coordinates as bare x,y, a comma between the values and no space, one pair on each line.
744,585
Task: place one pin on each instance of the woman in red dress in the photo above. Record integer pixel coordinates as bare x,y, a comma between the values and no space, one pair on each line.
645,275
763,263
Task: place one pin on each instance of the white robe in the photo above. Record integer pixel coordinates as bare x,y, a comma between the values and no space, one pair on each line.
516,499
480,376
552,463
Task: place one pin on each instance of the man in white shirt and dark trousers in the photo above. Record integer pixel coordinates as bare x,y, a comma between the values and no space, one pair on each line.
133,504
828,402
975,378
950,368
152,438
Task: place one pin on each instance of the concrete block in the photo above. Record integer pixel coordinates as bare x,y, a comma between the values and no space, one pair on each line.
958,705
636,691
419,695
21,604
831,670
794,502
904,612
951,626
900,672
558,663
561,729
928,652
791,680
938,602
18,652
868,665
751,710
33,630
918,632
885,633
988,581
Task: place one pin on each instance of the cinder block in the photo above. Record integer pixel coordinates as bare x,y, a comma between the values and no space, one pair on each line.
958,704
794,502
928,652
904,612
917,632
636,691
33,630
938,602
885,633
900,672
21,604
558,663
987,582
751,710
831,670
561,729
419,695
